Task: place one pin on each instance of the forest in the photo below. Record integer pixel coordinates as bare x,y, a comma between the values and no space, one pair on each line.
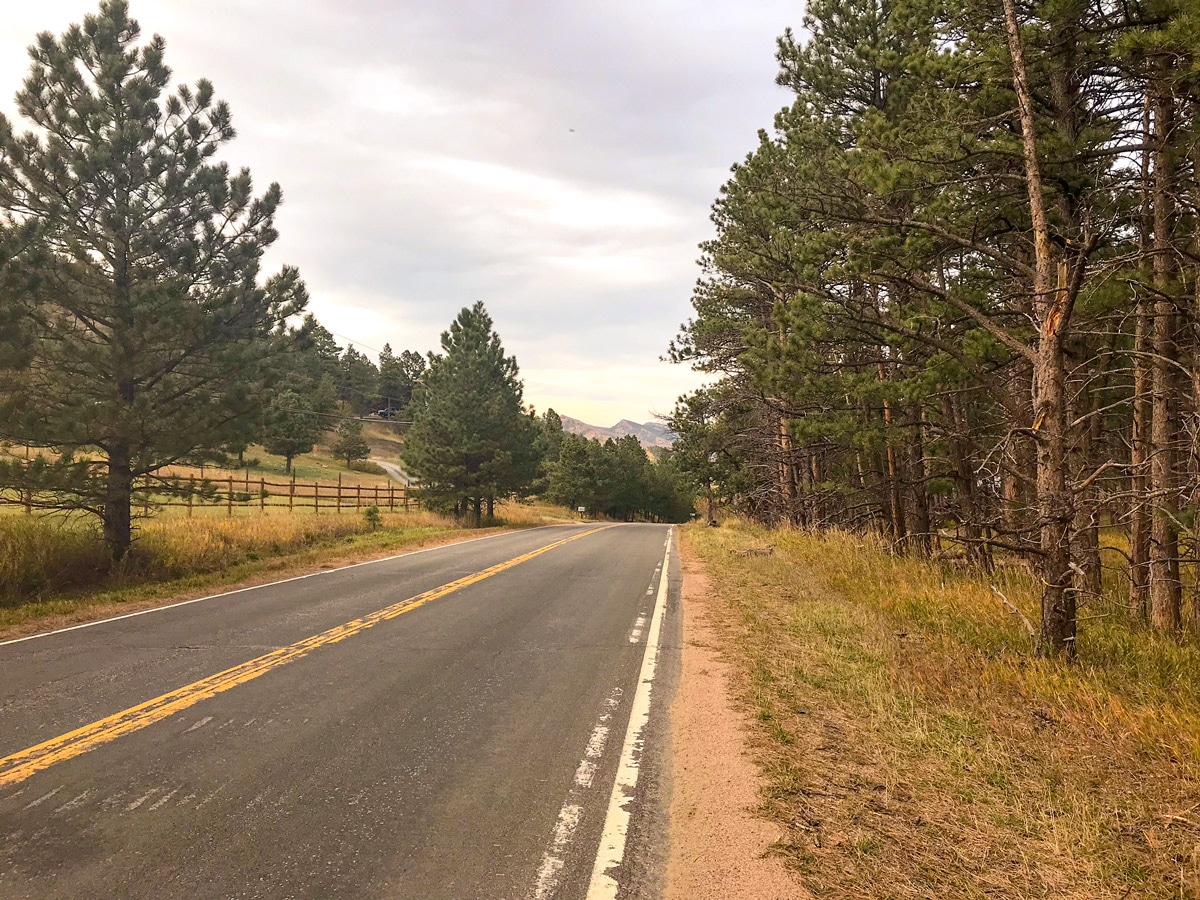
952,297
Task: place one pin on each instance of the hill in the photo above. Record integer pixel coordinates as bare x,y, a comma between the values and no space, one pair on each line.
650,434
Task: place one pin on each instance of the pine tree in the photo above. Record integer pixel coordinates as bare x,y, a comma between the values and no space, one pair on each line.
293,426
471,441
133,265
350,443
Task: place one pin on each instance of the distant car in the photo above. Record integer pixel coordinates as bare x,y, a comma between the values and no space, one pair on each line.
389,412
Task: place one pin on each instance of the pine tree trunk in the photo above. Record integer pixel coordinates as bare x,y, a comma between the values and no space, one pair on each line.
118,502
919,507
1165,592
1052,304
1139,523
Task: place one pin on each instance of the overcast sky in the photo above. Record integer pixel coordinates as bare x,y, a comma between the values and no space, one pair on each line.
556,160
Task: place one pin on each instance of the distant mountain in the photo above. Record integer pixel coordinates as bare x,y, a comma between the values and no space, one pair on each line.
651,434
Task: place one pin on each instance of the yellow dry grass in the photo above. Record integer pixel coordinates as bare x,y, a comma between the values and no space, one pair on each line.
913,747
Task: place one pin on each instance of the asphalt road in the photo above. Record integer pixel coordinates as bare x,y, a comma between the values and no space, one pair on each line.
445,724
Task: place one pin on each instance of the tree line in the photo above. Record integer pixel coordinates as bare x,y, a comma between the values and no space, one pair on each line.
137,330
474,441
953,293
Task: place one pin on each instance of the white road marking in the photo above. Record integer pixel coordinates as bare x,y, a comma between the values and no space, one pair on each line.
200,724
164,799
552,860
569,817
140,800
40,800
603,886
255,587
71,804
638,627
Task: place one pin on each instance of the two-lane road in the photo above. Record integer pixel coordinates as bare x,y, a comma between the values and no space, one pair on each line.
444,724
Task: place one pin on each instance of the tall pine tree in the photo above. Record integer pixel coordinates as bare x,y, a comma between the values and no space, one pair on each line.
133,260
471,441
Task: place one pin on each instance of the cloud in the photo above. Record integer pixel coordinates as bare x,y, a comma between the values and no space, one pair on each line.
555,160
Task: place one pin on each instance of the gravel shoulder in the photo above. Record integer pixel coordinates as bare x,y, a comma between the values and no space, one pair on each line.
717,842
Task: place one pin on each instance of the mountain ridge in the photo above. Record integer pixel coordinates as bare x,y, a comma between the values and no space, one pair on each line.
649,434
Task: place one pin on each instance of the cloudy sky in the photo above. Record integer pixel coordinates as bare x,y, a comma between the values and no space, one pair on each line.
553,158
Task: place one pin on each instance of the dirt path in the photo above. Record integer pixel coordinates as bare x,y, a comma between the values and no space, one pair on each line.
717,843
393,470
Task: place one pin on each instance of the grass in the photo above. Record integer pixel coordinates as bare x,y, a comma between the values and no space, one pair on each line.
914,747
53,571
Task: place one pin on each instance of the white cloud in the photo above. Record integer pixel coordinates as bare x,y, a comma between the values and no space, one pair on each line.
555,160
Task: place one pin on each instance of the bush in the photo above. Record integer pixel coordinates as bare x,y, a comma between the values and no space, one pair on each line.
370,468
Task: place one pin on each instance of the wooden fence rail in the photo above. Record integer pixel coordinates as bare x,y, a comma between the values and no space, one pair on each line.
244,492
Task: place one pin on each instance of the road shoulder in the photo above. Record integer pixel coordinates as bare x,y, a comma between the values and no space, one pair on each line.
717,842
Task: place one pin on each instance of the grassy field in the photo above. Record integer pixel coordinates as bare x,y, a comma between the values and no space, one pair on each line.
913,747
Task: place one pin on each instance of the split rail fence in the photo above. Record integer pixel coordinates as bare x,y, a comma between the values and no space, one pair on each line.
244,492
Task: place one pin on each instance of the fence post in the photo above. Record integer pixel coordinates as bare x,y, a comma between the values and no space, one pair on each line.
316,497
262,494
358,496
292,493
406,498
229,499
191,492
391,496
339,497
377,493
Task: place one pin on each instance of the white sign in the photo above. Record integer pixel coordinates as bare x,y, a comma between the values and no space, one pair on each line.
583,509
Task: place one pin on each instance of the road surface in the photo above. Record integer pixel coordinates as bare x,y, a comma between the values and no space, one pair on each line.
464,722
393,470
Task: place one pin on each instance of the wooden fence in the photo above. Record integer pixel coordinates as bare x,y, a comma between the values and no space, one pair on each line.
234,491
243,492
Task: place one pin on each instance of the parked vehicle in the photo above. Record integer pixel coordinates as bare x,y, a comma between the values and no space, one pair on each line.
389,412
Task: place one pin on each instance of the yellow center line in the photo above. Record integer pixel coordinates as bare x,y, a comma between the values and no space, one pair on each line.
24,763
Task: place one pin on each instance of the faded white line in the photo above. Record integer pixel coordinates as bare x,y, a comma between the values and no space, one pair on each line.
552,861
71,804
611,852
569,817
140,800
158,803
638,627
200,724
40,800
256,587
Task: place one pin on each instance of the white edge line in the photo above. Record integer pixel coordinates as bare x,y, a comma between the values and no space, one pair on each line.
255,587
611,851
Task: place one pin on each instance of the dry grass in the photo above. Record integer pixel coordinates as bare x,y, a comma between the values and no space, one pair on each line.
914,748
51,565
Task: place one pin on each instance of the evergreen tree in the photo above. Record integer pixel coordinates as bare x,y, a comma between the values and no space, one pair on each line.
350,443
471,441
293,426
358,384
398,376
132,270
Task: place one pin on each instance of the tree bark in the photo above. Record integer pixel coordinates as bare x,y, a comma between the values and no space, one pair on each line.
1165,590
1052,308
118,502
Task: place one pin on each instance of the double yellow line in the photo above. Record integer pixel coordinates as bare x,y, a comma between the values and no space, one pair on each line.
24,763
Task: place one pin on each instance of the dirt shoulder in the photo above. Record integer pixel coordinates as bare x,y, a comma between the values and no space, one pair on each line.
717,842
